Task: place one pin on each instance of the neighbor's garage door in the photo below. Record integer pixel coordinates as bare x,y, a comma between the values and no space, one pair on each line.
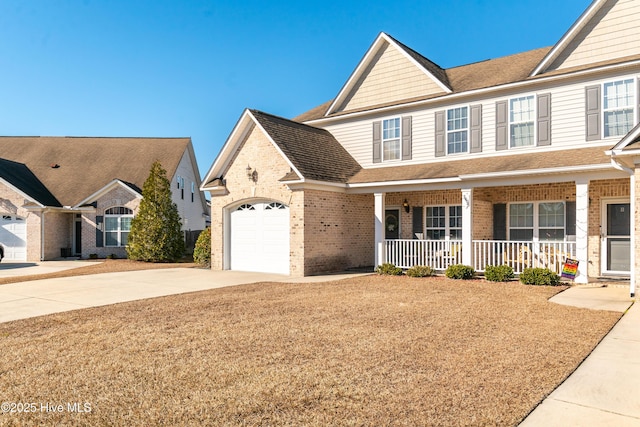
13,236
260,238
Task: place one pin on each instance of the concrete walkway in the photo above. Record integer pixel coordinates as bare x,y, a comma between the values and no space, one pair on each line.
605,389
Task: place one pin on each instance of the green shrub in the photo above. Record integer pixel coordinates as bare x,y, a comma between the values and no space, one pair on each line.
202,250
388,269
112,256
459,271
93,256
540,277
498,273
420,271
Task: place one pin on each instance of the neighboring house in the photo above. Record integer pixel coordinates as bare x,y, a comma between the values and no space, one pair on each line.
75,196
526,160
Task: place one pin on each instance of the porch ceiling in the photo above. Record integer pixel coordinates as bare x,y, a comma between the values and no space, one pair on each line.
592,156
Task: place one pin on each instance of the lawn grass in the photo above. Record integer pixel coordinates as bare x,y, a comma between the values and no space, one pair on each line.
363,351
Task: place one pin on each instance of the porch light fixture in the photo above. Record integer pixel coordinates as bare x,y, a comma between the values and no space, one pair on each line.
405,205
252,174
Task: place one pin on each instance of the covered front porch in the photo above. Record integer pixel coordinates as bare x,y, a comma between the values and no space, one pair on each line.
532,223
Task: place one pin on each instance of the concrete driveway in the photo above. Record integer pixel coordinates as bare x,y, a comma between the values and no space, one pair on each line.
38,297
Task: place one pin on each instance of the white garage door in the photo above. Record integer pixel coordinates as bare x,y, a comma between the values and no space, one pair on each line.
13,237
260,238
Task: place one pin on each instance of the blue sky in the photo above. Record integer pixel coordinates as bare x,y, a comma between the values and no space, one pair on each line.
189,67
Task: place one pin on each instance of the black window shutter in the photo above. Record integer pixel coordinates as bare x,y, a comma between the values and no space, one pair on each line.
441,143
406,138
500,221
502,125
570,218
475,129
99,233
592,99
417,223
544,119
377,142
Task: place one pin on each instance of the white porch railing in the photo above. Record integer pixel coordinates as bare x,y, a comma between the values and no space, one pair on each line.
522,254
440,254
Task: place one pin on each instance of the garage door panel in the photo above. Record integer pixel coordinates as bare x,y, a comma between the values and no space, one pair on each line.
260,238
13,237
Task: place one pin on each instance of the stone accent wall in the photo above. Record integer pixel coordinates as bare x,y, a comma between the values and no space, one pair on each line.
339,231
57,233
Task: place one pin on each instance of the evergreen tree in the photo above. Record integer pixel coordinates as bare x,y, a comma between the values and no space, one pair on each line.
156,233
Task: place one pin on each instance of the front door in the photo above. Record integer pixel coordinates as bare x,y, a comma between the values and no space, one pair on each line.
392,224
77,235
616,237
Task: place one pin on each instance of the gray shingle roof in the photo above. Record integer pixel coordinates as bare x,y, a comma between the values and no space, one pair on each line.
314,152
87,164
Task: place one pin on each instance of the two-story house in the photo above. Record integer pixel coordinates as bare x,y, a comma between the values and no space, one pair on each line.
526,160
76,196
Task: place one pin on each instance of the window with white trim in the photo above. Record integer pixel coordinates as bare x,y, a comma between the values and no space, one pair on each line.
117,225
391,142
443,222
522,115
618,107
457,130
541,221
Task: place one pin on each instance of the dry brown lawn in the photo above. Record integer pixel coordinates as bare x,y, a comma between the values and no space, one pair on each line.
362,351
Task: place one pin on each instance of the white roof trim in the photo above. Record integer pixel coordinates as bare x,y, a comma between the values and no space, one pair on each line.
626,140
110,186
22,193
365,62
238,134
568,36
475,92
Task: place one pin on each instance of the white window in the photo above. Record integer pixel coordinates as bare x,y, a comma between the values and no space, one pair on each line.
522,121
457,130
391,143
193,191
443,222
618,107
117,225
543,221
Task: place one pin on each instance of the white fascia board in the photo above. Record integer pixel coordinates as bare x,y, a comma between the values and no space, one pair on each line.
22,193
568,36
544,171
452,98
110,186
403,182
291,165
417,64
365,62
238,134
309,184
627,139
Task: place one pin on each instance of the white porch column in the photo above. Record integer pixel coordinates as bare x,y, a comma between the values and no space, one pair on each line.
379,228
582,230
634,229
467,226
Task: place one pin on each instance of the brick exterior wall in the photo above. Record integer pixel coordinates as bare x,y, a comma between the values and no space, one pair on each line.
116,197
12,203
329,231
339,231
485,197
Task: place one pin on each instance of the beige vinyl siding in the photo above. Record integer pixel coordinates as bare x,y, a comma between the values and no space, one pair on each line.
567,124
393,77
612,33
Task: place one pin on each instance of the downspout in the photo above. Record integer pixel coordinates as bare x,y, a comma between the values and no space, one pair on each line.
632,240
42,236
